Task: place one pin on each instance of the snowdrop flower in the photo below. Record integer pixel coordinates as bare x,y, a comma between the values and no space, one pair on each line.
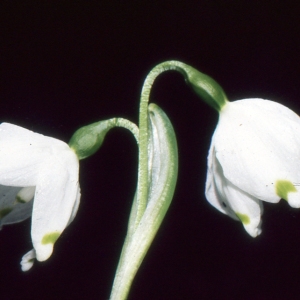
254,156
38,178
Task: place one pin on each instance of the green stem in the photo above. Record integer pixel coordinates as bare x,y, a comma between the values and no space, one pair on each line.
120,122
204,86
142,187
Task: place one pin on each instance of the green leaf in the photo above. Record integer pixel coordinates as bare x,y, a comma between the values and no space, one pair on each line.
162,177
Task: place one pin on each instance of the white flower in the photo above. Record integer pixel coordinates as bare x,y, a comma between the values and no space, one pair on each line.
38,178
254,155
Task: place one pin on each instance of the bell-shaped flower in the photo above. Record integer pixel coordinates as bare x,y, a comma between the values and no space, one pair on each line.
38,178
254,156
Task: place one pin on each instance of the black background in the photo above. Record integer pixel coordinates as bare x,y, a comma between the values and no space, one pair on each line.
64,64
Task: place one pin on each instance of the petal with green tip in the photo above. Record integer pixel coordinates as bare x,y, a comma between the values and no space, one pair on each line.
257,143
34,165
231,200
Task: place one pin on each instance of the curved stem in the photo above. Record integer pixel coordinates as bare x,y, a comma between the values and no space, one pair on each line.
120,122
142,187
207,88
88,139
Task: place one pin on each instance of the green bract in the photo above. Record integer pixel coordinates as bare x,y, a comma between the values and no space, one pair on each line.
163,166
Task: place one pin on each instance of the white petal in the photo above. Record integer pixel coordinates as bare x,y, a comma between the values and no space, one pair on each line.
229,199
11,211
75,206
56,200
258,144
247,208
28,260
215,174
22,152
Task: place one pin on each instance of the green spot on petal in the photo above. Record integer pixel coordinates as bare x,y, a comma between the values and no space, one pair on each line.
244,218
50,238
283,187
5,211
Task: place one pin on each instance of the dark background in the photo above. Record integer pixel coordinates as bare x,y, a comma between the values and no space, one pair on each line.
64,64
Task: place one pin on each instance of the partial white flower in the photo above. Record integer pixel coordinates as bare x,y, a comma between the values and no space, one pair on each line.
254,156
38,178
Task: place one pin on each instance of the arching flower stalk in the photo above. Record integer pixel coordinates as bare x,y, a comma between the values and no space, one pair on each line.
254,154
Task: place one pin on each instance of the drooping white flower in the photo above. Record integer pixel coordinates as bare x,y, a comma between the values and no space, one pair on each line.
254,156
38,178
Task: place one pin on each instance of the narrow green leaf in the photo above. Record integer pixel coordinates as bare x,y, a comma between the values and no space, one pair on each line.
163,169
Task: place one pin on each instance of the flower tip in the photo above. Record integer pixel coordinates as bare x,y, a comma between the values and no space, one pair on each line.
294,200
288,191
43,252
251,223
252,230
28,260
